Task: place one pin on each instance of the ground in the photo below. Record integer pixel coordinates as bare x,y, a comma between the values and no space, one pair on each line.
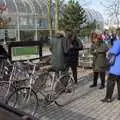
84,105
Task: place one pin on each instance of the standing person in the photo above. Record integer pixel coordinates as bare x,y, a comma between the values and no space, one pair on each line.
114,71
72,53
98,50
106,37
57,48
113,38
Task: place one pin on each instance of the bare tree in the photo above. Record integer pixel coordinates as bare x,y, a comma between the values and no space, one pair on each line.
112,8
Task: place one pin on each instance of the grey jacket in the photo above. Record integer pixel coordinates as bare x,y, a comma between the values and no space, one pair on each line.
57,47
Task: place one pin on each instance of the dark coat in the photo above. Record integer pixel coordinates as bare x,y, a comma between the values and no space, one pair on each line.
99,57
72,54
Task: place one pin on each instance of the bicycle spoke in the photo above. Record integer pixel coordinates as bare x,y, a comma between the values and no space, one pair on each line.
65,95
24,99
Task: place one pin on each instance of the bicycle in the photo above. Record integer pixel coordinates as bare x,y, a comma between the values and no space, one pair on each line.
57,89
25,98
45,90
13,81
5,67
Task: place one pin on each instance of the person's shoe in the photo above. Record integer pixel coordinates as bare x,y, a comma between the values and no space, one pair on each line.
102,87
108,100
93,85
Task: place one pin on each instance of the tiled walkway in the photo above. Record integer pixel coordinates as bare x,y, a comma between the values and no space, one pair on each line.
84,105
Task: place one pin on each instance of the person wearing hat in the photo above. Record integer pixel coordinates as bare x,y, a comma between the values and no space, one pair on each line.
98,50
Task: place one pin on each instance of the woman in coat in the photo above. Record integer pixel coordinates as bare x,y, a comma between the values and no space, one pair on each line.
98,50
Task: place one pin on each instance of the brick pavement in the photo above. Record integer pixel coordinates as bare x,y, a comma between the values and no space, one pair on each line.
84,105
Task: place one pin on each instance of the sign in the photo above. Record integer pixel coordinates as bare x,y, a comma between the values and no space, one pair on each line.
25,53
25,50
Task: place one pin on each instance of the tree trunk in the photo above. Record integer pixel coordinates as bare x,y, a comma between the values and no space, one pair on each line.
49,18
56,15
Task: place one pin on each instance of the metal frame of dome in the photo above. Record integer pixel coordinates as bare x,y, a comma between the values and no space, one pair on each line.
26,6
92,15
25,14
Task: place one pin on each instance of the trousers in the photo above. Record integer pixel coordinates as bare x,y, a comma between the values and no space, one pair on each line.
112,79
102,78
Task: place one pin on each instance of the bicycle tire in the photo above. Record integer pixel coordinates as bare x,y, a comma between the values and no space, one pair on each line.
22,95
65,95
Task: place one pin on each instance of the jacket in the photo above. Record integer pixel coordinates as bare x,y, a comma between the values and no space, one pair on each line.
57,49
71,56
115,68
99,56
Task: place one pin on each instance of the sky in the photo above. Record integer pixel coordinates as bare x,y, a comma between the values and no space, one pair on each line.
94,4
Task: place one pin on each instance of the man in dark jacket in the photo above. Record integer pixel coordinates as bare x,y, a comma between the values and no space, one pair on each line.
72,53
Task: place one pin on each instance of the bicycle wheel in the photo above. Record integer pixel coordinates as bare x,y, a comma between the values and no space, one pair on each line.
42,81
64,90
5,90
24,99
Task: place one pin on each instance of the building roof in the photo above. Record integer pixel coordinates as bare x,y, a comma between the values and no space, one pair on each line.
26,6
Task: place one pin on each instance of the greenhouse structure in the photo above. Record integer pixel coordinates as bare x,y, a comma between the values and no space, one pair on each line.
31,15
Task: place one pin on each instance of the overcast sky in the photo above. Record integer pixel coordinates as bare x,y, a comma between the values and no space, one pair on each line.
94,4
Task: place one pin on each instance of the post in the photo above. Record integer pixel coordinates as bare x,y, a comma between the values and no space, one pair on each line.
49,18
56,15
18,28
36,29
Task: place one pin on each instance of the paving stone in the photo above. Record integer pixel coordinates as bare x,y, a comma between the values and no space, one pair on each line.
85,104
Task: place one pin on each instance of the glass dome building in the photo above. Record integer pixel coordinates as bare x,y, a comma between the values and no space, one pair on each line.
21,10
94,15
27,15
